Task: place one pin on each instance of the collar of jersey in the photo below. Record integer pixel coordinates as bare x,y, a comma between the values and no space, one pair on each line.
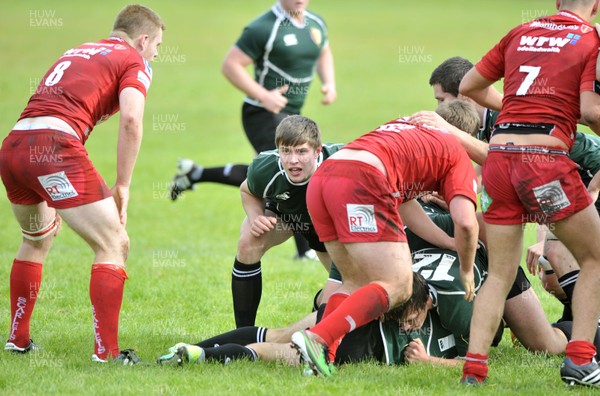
282,170
433,295
283,14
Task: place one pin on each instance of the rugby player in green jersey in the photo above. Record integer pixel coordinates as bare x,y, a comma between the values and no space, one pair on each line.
274,199
286,45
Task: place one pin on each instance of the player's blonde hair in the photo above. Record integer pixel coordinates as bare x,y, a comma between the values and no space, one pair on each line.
296,130
461,114
136,19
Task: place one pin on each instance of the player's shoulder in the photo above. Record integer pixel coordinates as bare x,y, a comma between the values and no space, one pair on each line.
330,148
265,159
314,17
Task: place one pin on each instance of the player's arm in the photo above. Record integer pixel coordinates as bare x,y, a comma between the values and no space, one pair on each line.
415,353
594,186
466,231
475,148
480,89
253,206
234,68
131,103
590,110
415,218
326,73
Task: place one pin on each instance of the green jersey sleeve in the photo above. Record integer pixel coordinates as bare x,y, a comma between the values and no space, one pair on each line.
255,36
586,153
263,169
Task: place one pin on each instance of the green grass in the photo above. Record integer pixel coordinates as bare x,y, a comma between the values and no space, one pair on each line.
182,253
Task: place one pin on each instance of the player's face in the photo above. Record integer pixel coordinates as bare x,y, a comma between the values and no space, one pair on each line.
440,94
299,162
414,320
150,51
294,6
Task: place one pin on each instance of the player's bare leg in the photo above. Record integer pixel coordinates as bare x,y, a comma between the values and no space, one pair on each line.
99,225
580,233
504,248
524,313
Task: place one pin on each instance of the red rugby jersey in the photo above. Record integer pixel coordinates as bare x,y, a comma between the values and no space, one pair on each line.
82,87
546,64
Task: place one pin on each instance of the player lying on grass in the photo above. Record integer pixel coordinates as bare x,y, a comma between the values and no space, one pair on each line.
434,327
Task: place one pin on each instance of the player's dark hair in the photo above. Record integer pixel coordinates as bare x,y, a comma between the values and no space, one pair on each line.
296,130
137,19
416,302
461,114
449,74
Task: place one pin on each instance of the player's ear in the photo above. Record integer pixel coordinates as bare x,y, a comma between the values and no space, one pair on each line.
318,150
142,42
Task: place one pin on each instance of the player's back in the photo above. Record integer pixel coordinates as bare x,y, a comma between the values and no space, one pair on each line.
82,87
545,64
416,158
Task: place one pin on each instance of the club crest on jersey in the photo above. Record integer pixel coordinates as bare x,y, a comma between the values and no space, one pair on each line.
361,218
316,36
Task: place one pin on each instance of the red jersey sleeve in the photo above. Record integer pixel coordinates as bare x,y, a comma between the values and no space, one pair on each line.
137,74
589,72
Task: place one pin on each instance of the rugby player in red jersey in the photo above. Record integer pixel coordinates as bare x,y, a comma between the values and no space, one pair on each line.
46,171
549,68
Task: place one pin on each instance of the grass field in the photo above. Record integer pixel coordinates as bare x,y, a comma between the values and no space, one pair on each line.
182,253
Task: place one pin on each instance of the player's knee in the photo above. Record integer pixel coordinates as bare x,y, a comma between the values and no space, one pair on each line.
250,248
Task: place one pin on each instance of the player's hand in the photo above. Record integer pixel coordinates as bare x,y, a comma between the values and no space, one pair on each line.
430,118
330,94
58,224
121,197
262,224
468,281
274,101
533,257
435,198
415,352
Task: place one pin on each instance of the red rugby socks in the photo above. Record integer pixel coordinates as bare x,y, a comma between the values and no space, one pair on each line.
106,294
25,280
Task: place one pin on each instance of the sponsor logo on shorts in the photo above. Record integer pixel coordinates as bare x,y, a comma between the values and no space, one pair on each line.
551,197
58,186
361,218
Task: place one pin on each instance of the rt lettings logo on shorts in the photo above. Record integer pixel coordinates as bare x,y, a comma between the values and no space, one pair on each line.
168,123
413,54
170,54
44,19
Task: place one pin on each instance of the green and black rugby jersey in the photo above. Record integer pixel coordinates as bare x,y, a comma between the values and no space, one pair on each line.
284,52
267,180
489,120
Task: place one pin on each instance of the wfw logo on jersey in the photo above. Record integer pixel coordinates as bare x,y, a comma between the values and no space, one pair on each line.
361,218
58,186
546,44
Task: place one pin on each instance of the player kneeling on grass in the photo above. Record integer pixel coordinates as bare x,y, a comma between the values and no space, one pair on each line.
274,199
45,169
